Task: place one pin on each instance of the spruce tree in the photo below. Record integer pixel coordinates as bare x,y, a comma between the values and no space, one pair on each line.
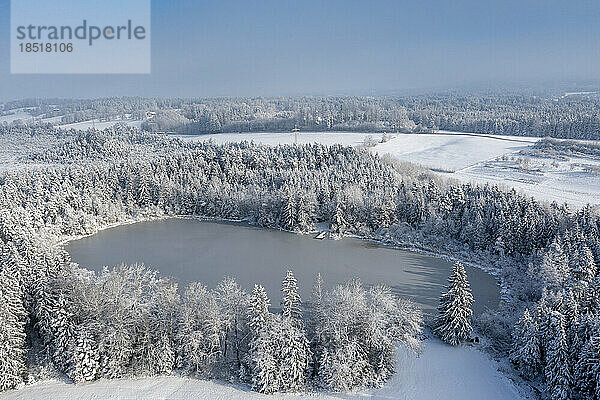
294,355
338,220
258,309
316,304
583,266
316,322
289,217
526,352
291,303
12,332
558,376
453,323
263,362
587,370
554,270
261,359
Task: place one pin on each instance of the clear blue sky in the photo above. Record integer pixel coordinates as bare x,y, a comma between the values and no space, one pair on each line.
290,47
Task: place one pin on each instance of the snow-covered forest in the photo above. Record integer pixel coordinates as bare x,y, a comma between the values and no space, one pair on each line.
130,321
519,113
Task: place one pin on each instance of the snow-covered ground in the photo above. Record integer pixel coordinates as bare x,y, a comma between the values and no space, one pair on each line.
497,160
447,151
96,123
27,118
50,120
440,372
572,181
21,114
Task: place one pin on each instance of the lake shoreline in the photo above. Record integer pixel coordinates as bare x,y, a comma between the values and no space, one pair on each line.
252,254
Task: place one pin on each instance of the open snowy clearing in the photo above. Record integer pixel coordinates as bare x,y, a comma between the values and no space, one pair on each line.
440,372
449,151
572,181
20,114
497,160
51,120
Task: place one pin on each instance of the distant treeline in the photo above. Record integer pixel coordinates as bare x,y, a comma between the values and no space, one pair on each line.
574,117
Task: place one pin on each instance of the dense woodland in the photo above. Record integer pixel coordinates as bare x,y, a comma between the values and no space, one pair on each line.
518,113
128,320
571,117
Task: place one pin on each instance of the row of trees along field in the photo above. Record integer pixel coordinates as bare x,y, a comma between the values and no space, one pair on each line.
546,256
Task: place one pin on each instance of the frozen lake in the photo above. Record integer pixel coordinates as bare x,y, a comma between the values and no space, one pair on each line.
191,250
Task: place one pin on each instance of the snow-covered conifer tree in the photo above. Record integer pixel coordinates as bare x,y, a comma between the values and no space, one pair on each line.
306,209
582,264
294,355
291,304
258,311
280,357
526,353
453,323
556,370
315,323
554,270
263,363
261,356
12,332
289,217
338,220
587,369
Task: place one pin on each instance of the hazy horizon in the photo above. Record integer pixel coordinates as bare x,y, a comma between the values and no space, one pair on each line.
270,48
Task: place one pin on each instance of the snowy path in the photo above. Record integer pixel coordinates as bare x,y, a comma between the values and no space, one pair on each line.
441,372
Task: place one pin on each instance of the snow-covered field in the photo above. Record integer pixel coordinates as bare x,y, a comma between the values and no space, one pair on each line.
440,372
571,181
21,114
450,151
51,120
27,118
497,160
468,157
